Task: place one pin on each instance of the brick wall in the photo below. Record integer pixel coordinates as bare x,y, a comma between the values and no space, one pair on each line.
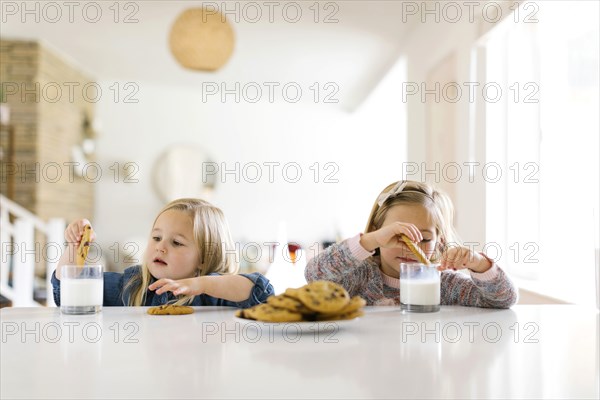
47,124
60,126
18,64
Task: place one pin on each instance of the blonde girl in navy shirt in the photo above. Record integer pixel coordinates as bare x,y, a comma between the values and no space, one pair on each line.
190,259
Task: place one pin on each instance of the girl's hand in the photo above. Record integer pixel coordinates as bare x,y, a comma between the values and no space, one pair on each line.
73,235
389,236
461,258
74,232
189,286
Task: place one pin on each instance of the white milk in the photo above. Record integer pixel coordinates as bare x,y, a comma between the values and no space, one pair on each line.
424,292
81,292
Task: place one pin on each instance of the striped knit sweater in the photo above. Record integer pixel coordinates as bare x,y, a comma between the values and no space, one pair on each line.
353,267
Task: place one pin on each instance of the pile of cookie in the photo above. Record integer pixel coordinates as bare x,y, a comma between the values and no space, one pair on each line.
316,301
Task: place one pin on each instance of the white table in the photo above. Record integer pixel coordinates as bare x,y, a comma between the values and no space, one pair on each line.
525,352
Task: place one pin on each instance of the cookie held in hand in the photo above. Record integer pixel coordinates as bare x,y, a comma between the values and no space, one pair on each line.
84,245
416,250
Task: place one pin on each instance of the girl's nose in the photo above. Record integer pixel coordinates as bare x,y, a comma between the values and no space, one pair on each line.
160,247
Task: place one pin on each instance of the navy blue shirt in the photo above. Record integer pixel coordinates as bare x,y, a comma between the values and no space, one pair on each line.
115,295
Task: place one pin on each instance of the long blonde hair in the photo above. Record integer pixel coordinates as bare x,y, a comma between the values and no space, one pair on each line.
211,235
434,200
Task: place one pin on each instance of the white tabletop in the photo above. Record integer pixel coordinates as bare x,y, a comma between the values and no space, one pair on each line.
525,352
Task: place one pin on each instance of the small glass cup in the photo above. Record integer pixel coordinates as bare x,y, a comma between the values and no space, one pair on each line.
81,289
419,287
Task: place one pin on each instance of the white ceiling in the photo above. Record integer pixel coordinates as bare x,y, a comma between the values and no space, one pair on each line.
354,52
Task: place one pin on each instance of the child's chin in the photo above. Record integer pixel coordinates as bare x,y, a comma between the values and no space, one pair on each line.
158,273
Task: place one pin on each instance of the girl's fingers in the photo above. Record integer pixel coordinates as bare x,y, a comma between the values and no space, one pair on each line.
70,233
444,261
449,258
442,265
466,257
74,231
75,238
181,290
159,283
409,230
167,288
419,235
413,233
456,258
457,262
389,236
444,257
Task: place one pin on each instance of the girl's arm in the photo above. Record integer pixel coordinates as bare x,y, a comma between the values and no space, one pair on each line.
488,285
234,288
341,263
228,287
490,289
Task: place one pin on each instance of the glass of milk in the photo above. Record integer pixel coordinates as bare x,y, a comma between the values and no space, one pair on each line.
81,289
419,287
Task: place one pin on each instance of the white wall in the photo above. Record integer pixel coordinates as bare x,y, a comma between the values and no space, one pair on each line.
458,38
367,145
431,42
364,138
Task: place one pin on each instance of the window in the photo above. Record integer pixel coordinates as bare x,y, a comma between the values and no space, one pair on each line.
543,134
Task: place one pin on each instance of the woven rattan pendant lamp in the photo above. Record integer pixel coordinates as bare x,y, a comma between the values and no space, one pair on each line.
201,39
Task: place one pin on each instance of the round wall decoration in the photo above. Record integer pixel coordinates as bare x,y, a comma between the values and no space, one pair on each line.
184,170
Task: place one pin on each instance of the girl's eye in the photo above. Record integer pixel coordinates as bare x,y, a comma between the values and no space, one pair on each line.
176,243
156,238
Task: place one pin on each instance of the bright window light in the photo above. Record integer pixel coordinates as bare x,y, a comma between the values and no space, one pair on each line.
544,134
